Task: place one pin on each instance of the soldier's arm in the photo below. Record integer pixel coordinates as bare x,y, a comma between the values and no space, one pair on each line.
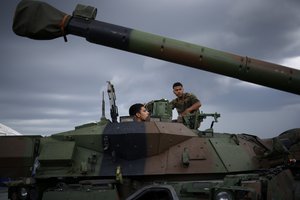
192,108
196,104
172,103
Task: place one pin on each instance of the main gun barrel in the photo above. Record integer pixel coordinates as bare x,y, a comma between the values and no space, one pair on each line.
168,49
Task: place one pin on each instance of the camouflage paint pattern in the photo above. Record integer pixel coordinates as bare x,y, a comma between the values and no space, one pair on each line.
150,148
17,155
52,23
152,159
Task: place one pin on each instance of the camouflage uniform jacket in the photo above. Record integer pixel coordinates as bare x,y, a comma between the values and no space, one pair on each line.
183,103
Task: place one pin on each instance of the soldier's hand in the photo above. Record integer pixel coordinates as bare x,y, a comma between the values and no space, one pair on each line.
184,113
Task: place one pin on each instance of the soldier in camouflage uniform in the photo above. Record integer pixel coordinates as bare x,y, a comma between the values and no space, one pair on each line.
187,106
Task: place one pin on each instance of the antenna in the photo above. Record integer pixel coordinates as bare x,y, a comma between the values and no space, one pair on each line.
103,107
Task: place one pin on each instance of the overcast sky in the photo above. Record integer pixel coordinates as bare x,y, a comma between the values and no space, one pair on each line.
52,86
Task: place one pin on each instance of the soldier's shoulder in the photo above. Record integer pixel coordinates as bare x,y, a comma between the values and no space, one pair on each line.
189,95
192,97
173,101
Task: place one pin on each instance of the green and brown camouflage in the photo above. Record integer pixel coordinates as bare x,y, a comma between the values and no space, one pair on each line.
51,23
191,120
125,157
159,159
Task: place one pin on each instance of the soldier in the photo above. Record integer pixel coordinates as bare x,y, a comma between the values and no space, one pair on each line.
139,112
187,106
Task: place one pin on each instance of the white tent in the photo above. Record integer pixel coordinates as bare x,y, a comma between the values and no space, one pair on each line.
5,131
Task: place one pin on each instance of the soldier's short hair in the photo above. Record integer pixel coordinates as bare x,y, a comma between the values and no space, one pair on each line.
135,108
177,84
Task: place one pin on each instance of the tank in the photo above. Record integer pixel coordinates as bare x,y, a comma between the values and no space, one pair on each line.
158,159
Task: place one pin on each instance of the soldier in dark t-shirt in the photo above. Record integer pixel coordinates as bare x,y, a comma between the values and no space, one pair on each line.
187,106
